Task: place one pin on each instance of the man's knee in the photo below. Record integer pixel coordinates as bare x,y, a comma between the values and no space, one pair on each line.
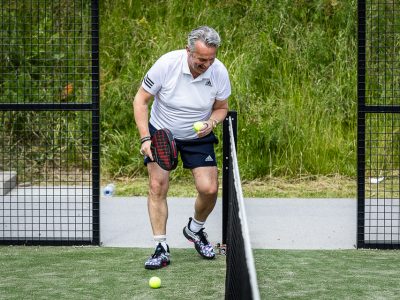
210,190
158,187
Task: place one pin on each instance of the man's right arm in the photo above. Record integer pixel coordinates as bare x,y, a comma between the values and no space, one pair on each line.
141,112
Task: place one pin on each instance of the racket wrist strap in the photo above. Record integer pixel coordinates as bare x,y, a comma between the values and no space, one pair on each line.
145,139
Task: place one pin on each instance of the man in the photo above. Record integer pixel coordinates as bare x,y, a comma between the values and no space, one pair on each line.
188,85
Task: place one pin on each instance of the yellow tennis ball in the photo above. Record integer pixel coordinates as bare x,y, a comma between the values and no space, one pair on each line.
198,126
155,282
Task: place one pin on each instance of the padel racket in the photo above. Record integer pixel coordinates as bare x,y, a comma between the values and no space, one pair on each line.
163,148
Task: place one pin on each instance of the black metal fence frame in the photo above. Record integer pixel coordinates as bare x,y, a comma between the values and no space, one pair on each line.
364,110
94,109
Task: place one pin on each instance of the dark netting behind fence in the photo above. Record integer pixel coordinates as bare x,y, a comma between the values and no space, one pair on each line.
241,279
379,124
49,122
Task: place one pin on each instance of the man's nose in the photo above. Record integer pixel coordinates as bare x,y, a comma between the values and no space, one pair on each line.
207,64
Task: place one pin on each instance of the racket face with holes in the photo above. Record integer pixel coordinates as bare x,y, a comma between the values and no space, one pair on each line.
164,150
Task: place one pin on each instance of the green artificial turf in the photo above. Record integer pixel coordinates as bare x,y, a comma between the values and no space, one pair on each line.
118,273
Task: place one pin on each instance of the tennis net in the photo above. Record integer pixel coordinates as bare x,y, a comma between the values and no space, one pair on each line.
241,278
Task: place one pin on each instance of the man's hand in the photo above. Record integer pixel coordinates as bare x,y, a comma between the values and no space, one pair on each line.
207,128
145,149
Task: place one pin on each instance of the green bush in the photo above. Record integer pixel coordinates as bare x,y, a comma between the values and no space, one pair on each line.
292,66
45,58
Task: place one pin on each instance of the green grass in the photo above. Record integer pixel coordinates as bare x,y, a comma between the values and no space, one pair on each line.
104,273
118,273
344,274
292,66
304,187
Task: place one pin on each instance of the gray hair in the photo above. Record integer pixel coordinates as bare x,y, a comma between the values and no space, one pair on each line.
205,34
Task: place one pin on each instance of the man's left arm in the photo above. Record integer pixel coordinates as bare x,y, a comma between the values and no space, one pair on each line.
219,112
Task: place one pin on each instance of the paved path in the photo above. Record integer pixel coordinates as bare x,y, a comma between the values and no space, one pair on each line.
273,223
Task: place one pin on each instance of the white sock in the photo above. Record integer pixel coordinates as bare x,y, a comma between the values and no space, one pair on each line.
161,239
195,225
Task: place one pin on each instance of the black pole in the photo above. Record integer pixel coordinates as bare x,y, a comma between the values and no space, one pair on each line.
95,122
225,168
361,124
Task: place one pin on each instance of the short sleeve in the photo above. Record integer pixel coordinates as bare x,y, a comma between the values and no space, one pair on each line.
224,84
152,81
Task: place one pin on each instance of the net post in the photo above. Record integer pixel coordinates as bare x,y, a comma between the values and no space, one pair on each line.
225,168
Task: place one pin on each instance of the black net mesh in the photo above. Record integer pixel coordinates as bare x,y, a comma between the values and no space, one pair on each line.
379,124
49,122
241,279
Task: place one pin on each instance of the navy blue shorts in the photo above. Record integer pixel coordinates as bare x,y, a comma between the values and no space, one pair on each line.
194,153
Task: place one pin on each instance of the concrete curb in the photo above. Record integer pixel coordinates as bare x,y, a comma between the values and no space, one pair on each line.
8,180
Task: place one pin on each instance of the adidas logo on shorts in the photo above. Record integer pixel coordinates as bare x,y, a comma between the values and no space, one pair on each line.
209,158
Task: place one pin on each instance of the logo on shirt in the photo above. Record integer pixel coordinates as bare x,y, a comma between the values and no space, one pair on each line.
148,82
208,83
209,158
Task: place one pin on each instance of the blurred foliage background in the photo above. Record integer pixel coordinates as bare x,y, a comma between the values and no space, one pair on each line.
293,71
292,66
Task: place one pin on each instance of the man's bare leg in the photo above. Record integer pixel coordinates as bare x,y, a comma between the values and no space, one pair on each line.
206,180
158,213
157,199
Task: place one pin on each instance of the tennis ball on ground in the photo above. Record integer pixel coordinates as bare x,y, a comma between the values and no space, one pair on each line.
198,126
155,282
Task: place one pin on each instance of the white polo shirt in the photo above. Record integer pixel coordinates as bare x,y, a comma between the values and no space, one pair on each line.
180,100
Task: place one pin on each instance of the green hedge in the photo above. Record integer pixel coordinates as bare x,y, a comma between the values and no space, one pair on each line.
292,65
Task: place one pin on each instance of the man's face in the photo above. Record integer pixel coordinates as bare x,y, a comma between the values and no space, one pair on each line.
201,58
